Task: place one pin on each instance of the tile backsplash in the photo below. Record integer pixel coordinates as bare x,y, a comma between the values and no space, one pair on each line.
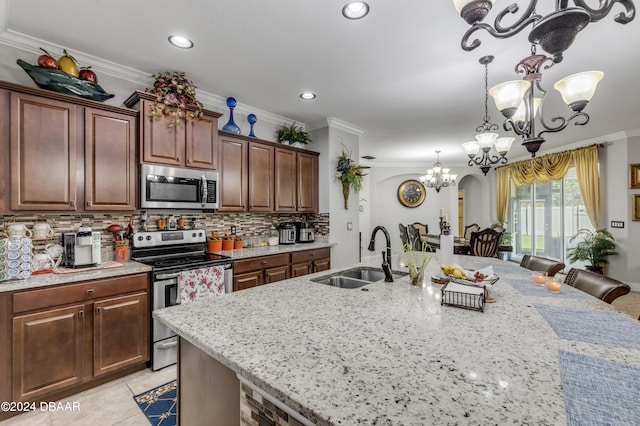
245,223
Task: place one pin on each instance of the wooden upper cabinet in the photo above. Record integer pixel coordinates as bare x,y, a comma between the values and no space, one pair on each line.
285,180
43,153
296,181
233,169
307,182
188,143
110,161
261,160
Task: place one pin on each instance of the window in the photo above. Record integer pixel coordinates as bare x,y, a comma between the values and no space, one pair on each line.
544,216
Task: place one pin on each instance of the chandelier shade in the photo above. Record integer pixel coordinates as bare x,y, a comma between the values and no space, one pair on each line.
578,89
521,112
438,177
508,95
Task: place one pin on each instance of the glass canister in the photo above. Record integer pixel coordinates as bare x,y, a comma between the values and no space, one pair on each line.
274,236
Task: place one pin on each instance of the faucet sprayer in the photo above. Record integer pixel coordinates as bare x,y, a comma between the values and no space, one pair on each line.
386,260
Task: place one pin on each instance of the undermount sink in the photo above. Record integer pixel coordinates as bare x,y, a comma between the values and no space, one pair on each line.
355,278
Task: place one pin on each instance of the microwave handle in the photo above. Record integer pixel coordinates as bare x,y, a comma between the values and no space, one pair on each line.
203,191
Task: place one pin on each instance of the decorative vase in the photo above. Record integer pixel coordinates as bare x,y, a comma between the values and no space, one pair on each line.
416,275
345,194
251,118
231,126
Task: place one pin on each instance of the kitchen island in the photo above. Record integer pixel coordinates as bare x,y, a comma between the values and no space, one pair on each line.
392,354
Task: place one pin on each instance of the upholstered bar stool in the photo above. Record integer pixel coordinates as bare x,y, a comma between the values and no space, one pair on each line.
537,263
604,288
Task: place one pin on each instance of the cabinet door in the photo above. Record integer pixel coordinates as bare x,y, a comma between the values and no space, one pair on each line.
300,269
43,154
161,143
280,273
248,280
47,351
321,265
260,177
202,142
233,175
120,333
110,161
285,180
307,184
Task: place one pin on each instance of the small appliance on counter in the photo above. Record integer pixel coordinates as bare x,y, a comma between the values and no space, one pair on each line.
82,248
288,233
304,232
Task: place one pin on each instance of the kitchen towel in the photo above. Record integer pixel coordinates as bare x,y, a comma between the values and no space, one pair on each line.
598,391
602,327
200,283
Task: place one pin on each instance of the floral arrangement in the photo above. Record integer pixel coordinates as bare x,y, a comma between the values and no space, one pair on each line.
350,174
174,93
292,134
416,261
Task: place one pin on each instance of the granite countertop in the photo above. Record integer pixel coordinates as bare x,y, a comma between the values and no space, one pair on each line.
393,355
246,253
43,280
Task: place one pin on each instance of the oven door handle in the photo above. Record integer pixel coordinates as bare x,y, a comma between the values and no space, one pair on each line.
167,276
203,191
167,345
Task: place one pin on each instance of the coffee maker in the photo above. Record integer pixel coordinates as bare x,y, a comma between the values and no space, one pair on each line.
82,248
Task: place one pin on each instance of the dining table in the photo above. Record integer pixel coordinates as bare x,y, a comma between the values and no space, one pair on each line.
460,245
393,353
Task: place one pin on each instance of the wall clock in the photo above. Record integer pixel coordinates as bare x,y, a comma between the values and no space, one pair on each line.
411,193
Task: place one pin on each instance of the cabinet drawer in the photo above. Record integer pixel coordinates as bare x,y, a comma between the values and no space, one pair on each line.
307,255
72,293
258,263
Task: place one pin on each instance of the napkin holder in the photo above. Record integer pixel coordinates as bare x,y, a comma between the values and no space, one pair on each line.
464,296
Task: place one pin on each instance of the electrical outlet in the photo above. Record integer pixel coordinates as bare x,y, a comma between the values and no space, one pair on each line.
617,224
349,226
233,230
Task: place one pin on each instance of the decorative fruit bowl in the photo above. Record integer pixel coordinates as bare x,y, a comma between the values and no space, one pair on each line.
61,82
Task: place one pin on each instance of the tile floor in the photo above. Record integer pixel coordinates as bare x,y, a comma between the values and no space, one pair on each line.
109,404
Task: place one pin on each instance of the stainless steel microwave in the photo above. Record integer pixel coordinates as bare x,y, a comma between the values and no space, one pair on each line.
164,187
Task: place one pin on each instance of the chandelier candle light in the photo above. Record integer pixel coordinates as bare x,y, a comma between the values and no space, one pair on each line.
438,177
487,139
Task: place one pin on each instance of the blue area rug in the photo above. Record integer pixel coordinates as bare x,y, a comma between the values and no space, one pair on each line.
526,287
159,404
603,327
599,392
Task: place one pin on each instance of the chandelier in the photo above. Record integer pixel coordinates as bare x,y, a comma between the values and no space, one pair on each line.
438,177
487,139
554,33
520,101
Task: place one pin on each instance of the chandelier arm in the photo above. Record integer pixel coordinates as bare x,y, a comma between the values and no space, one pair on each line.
564,122
491,159
510,125
605,7
503,159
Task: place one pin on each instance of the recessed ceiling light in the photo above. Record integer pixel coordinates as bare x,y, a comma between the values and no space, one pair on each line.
355,10
307,95
180,41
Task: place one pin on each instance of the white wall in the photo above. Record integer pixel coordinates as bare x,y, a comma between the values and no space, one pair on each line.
473,197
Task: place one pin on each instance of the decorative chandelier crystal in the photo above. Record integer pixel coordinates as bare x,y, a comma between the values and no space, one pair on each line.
438,177
554,33
522,101
487,139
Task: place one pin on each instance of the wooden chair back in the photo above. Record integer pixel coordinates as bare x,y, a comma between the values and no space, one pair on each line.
414,237
403,234
537,263
484,243
474,227
604,288
422,228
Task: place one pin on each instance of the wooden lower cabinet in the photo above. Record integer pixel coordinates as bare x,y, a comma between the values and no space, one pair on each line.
261,270
310,261
72,335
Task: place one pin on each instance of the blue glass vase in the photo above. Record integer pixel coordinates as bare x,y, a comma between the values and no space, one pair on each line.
251,118
231,126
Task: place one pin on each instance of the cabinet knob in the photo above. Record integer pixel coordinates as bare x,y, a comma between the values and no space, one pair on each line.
89,203
188,161
178,159
72,203
264,262
90,291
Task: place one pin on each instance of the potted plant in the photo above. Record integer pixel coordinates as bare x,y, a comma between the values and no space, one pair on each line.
594,248
292,134
175,98
416,261
350,174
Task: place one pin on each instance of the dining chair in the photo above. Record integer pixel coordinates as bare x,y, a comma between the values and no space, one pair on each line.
421,227
484,243
537,263
403,235
474,227
414,237
604,288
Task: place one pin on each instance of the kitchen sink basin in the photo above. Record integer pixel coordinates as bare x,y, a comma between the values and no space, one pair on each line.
355,278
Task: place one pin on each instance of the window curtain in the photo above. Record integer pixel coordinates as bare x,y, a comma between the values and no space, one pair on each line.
554,167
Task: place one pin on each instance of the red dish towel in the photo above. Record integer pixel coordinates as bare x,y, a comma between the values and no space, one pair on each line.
199,283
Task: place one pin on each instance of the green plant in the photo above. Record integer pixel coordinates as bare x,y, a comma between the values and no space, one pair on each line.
416,261
292,134
174,94
506,234
595,247
350,174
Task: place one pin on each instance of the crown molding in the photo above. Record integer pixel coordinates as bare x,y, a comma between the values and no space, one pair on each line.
334,123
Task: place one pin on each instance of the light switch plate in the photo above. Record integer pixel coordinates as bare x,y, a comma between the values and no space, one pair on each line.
349,226
617,224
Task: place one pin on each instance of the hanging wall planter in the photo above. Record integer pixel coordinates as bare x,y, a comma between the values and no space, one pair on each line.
350,174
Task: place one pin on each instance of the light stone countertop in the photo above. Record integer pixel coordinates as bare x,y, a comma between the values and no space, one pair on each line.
393,355
43,280
246,253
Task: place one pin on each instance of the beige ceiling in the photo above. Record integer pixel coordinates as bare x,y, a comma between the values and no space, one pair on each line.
399,74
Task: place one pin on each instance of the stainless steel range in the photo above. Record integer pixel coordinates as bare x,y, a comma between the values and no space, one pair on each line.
178,260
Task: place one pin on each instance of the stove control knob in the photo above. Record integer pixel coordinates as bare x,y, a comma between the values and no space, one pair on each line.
140,238
200,234
193,235
148,237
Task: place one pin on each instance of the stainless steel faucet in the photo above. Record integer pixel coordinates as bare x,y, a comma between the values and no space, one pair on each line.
386,259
